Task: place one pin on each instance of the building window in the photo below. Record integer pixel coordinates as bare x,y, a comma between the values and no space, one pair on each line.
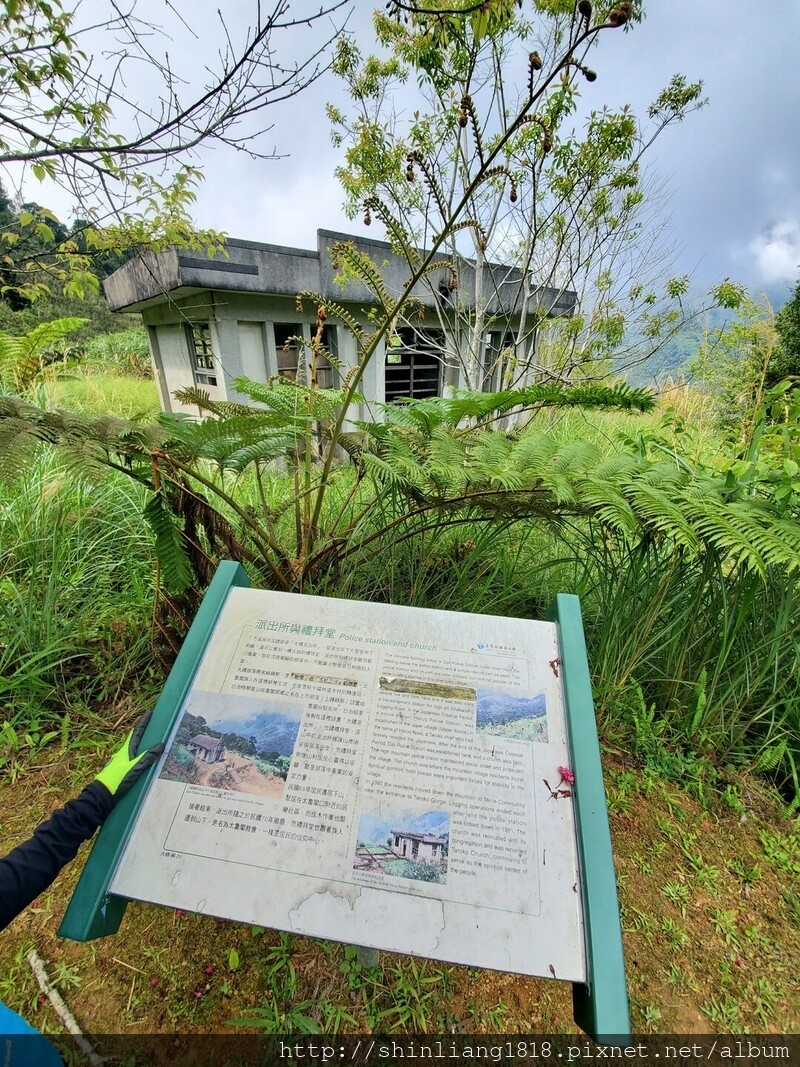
413,368
199,336
327,373
498,351
288,348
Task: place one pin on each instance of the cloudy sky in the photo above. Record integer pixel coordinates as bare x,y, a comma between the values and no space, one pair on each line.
733,169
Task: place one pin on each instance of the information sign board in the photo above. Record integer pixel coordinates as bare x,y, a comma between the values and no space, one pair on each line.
393,777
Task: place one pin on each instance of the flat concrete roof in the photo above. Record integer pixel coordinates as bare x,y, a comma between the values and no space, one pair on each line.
253,267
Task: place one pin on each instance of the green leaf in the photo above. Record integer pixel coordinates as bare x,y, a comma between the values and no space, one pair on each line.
169,546
233,960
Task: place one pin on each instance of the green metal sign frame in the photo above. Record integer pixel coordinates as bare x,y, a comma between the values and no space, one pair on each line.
601,1005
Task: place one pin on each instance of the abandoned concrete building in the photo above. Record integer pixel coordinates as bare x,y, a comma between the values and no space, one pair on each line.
210,321
423,848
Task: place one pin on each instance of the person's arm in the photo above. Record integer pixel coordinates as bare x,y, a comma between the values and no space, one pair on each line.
31,867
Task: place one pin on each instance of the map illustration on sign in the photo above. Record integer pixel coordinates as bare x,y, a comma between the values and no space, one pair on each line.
372,774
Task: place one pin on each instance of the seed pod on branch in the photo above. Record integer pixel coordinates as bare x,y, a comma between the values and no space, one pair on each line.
620,14
534,64
547,140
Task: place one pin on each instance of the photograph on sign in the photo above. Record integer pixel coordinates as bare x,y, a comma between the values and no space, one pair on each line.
372,774
404,844
234,743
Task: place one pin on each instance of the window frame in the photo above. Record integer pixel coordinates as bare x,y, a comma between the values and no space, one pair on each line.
201,353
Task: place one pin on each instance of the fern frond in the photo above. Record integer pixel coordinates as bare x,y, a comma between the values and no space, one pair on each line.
169,548
269,446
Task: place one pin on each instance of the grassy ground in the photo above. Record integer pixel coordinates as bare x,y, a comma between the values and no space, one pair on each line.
89,390
711,919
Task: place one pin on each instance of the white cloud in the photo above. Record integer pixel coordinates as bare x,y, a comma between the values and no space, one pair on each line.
777,252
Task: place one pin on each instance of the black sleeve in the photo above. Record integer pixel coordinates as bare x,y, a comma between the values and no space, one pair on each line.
31,867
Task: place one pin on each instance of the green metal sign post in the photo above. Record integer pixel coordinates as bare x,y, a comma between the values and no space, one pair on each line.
600,1006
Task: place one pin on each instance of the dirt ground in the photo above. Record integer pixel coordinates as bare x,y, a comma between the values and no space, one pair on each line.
239,774
710,905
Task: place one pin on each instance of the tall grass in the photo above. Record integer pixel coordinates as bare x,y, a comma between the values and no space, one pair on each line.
127,350
75,593
89,390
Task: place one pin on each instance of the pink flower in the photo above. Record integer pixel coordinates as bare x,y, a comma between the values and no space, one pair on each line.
179,912
153,983
209,969
567,775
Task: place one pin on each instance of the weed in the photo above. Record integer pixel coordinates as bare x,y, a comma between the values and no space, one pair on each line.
666,826
644,866
792,901
731,799
764,1001
620,790
678,894
334,1016
270,1019
782,850
639,920
652,1017
723,1012
281,972
676,937
656,849
724,922
415,989
707,876
65,977
676,976
747,875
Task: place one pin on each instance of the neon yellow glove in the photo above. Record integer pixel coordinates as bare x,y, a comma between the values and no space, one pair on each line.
125,767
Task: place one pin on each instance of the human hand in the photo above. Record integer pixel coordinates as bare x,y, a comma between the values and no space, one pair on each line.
125,767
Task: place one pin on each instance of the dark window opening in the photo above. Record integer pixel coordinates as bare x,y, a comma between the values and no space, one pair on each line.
199,337
413,368
288,348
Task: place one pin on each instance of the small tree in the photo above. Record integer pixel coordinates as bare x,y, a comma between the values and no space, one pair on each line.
23,360
68,116
571,212
733,364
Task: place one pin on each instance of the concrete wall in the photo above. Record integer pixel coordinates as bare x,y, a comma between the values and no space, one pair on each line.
244,343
